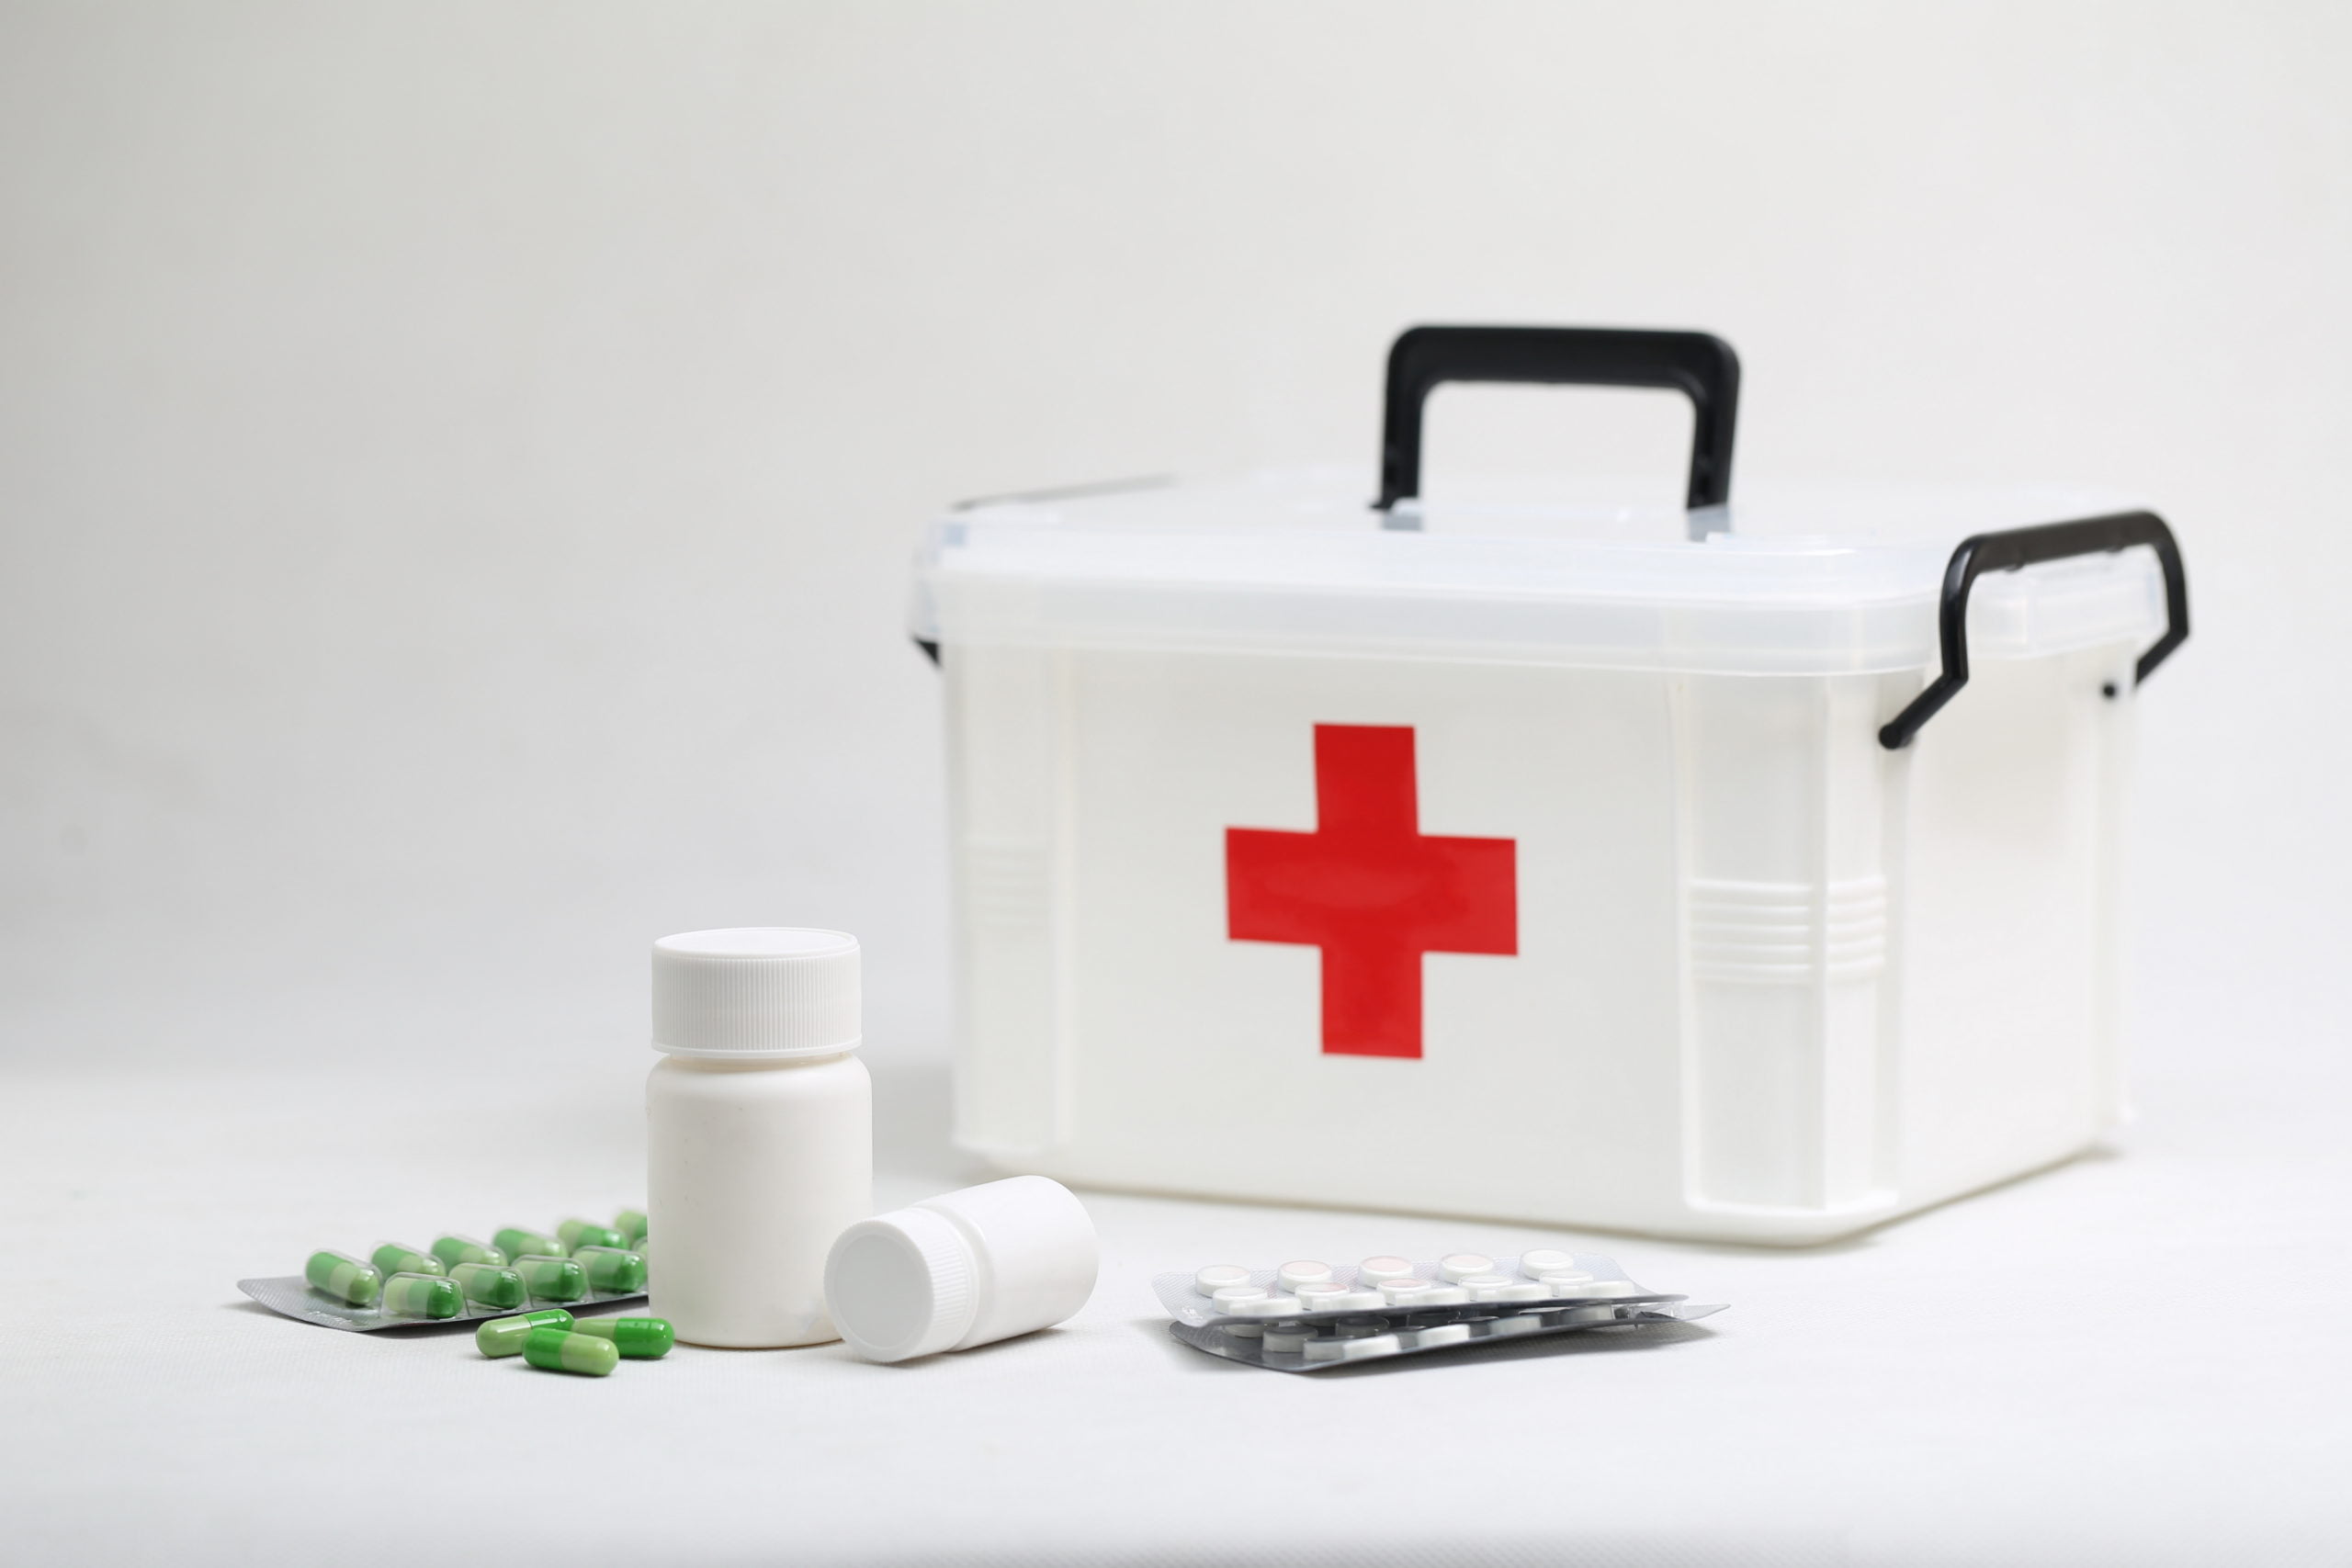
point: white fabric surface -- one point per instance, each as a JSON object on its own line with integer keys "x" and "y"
{"x": 2138, "y": 1357}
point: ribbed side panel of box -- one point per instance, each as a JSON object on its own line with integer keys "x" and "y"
{"x": 1784, "y": 877}
{"x": 1008, "y": 797}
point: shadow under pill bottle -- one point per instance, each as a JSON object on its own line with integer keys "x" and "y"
{"x": 759, "y": 1131}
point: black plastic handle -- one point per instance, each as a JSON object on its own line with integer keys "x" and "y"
{"x": 1699, "y": 365}
{"x": 2016, "y": 547}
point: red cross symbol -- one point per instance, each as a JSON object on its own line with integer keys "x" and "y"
{"x": 1369, "y": 890}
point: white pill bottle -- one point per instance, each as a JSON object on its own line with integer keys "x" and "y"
{"x": 759, "y": 1131}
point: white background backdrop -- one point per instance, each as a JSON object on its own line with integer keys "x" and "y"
{"x": 459, "y": 463}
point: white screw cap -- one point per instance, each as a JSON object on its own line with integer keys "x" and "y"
{"x": 766, "y": 993}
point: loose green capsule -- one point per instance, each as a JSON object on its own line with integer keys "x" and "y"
{"x": 638, "y": 1338}
{"x": 577, "y": 1234}
{"x": 631, "y": 1224}
{"x": 514, "y": 1242}
{"x": 453, "y": 1250}
{"x": 505, "y": 1336}
{"x": 612, "y": 1267}
{"x": 344, "y": 1277}
{"x": 551, "y": 1279}
{"x": 422, "y": 1295}
{"x": 398, "y": 1257}
{"x": 490, "y": 1284}
{"x": 560, "y": 1351}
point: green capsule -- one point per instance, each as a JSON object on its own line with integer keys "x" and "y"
{"x": 551, "y": 1278}
{"x": 422, "y": 1295}
{"x": 344, "y": 1277}
{"x": 398, "y": 1257}
{"x": 638, "y": 1338}
{"x": 505, "y": 1336}
{"x": 611, "y": 1269}
{"x": 577, "y": 1234}
{"x": 514, "y": 1242}
{"x": 490, "y": 1284}
{"x": 631, "y": 1224}
{"x": 453, "y": 1250}
{"x": 560, "y": 1351}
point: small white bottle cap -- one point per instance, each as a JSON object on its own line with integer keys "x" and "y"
{"x": 961, "y": 1269}
{"x": 756, "y": 993}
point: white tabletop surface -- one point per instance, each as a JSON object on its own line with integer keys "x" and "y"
{"x": 2139, "y": 1357}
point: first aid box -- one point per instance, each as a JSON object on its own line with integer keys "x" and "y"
{"x": 1746, "y": 871}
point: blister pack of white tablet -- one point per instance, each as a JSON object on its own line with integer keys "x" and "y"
{"x": 1298, "y": 1346}
{"x": 1308, "y": 1289}
{"x": 1308, "y": 1315}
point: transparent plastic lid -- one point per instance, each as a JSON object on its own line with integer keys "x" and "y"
{"x": 1788, "y": 578}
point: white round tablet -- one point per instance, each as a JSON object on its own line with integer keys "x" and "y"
{"x": 1325, "y": 1349}
{"x": 1374, "y": 1272}
{"x": 1546, "y": 1260}
{"x": 1268, "y": 1306}
{"x": 1441, "y": 1333}
{"x": 1503, "y": 1328}
{"x": 1522, "y": 1291}
{"x": 1440, "y": 1295}
{"x": 1572, "y": 1283}
{"x": 1289, "y": 1337}
{"x": 1457, "y": 1265}
{"x": 1610, "y": 1288}
{"x": 1400, "y": 1292}
{"x": 1228, "y": 1297}
{"x": 1242, "y": 1330}
{"x": 1327, "y": 1297}
{"x": 1378, "y": 1344}
{"x": 1351, "y": 1300}
{"x": 1218, "y": 1276}
{"x": 1304, "y": 1272}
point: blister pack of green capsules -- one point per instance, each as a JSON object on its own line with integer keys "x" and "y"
{"x": 459, "y": 1277}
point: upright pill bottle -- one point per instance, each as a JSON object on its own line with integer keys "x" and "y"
{"x": 759, "y": 1131}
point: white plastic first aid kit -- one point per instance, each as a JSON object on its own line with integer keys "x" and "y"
{"x": 1745, "y": 870}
